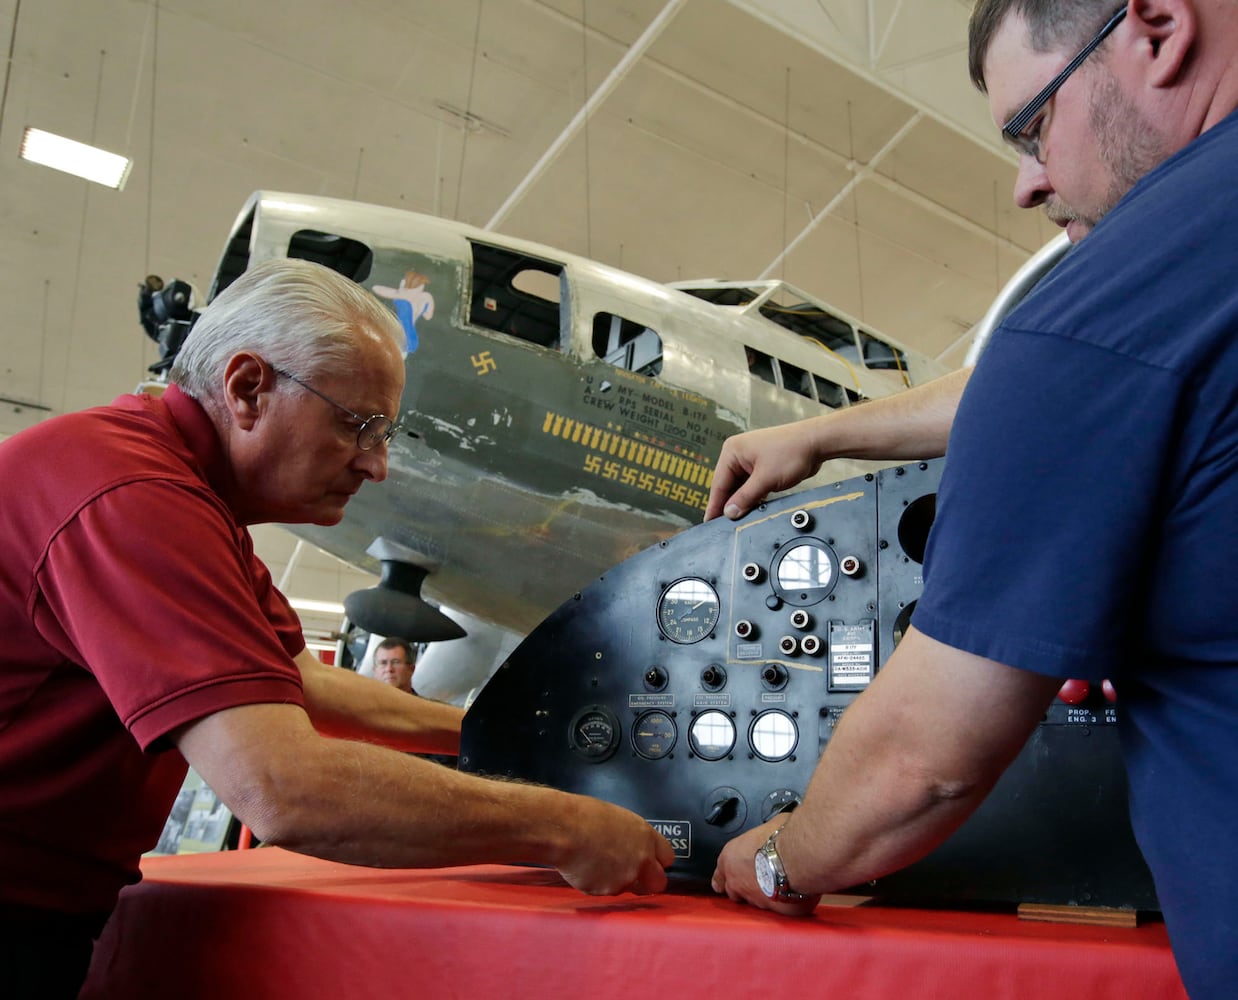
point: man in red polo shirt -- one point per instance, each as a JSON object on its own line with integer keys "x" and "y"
{"x": 125, "y": 533}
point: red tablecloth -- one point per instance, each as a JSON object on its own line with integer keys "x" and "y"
{"x": 260, "y": 924}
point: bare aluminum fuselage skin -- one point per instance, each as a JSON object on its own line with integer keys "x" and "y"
{"x": 527, "y": 469}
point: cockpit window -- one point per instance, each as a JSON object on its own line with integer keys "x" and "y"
{"x": 792, "y": 311}
{"x": 812, "y": 322}
{"x": 879, "y": 354}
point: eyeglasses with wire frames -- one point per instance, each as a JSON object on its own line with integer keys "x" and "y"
{"x": 1016, "y": 131}
{"x": 373, "y": 430}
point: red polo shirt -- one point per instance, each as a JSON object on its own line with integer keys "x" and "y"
{"x": 131, "y": 603}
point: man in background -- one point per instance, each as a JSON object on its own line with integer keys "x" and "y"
{"x": 394, "y": 663}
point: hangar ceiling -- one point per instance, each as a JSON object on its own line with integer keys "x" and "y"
{"x": 834, "y": 143}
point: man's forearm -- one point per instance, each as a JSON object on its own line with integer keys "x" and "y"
{"x": 351, "y": 801}
{"x": 910, "y": 760}
{"x": 340, "y": 703}
{"x": 907, "y": 765}
{"x": 909, "y": 425}
{"x": 457, "y": 818}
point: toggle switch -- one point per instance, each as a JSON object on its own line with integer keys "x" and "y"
{"x": 723, "y": 811}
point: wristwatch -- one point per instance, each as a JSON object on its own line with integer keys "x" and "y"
{"x": 771, "y": 875}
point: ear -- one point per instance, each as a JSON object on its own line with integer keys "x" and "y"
{"x": 1165, "y": 32}
{"x": 247, "y": 379}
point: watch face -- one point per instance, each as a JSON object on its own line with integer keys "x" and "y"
{"x": 766, "y": 878}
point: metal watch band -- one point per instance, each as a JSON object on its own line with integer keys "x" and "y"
{"x": 783, "y": 893}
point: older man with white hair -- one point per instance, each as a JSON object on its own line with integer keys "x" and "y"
{"x": 126, "y": 537}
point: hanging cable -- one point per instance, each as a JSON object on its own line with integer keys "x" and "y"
{"x": 150, "y": 141}
{"x": 468, "y": 108}
{"x": 8, "y": 66}
{"x": 786, "y": 164}
{"x": 81, "y": 240}
{"x": 584, "y": 83}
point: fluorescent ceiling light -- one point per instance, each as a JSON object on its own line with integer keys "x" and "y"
{"x": 90, "y": 162}
{"x": 326, "y": 607}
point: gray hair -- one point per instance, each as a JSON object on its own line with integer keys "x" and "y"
{"x": 297, "y": 315}
{"x": 1051, "y": 25}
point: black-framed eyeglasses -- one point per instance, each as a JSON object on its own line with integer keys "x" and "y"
{"x": 1016, "y": 131}
{"x": 373, "y": 430}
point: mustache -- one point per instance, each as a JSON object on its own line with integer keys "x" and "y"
{"x": 1059, "y": 213}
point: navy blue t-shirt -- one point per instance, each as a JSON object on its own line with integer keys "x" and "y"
{"x": 1087, "y": 522}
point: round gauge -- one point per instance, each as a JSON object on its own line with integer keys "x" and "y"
{"x": 654, "y": 735}
{"x": 688, "y": 610}
{"x": 805, "y": 572}
{"x": 712, "y": 735}
{"x": 594, "y": 733}
{"x": 773, "y": 735}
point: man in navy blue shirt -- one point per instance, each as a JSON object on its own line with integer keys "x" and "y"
{"x": 1091, "y": 484}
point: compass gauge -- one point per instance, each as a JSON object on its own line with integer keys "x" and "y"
{"x": 688, "y": 610}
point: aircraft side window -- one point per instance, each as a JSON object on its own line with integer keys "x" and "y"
{"x": 796, "y": 379}
{"x": 516, "y": 294}
{"x": 830, "y": 393}
{"x": 626, "y": 344}
{"x": 760, "y": 365}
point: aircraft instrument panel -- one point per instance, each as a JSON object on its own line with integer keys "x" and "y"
{"x": 698, "y": 682}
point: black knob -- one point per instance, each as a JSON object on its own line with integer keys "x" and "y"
{"x": 774, "y": 676}
{"x": 723, "y": 811}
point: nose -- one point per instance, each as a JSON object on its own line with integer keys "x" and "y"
{"x": 373, "y": 463}
{"x": 1031, "y": 185}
